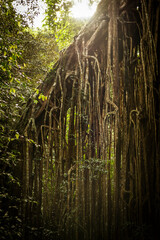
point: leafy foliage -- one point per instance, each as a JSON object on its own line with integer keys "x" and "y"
{"x": 28, "y": 8}
{"x": 25, "y": 58}
{"x": 14, "y": 90}
{"x": 56, "y": 9}
{"x": 62, "y": 25}
{"x": 40, "y": 52}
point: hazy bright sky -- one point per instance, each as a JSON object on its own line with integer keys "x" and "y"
{"x": 82, "y": 10}
{"x": 79, "y": 10}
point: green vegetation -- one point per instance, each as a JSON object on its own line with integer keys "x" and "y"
{"x": 79, "y": 122}
{"x": 26, "y": 55}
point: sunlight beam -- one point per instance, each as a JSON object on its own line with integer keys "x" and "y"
{"x": 82, "y": 10}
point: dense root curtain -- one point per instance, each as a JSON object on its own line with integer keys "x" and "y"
{"x": 89, "y": 170}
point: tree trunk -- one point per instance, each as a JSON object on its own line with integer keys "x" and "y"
{"x": 96, "y": 128}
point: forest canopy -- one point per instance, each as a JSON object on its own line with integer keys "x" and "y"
{"x": 79, "y": 121}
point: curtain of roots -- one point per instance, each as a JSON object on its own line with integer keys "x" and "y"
{"x": 89, "y": 170}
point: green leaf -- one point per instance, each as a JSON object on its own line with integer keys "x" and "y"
{"x": 12, "y": 90}
{"x": 40, "y": 96}
{"x": 37, "y": 91}
{"x": 17, "y": 135}
{"x": 43, "y": 97}
{"x": 1, "y": 126}
{"x": 19, "y": 24}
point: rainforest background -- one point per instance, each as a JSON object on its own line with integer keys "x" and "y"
{"x": 79, "y": 120}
